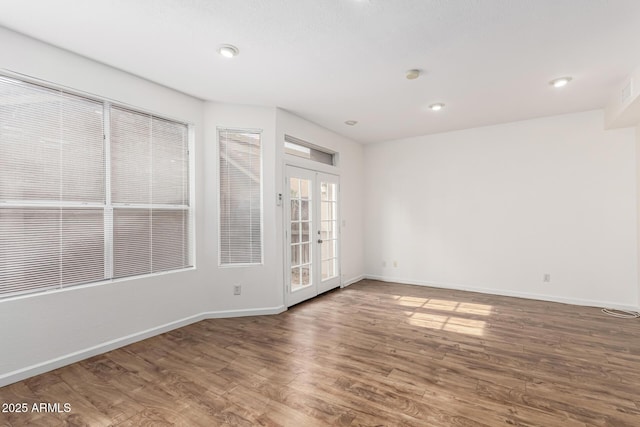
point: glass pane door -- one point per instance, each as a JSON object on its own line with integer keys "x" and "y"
{"x": 311, "y": 234}
{"x": 301, "y": 216}
{"x": 328, "y": 232}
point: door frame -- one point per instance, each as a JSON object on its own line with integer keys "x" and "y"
{"x": 317, "y": 288}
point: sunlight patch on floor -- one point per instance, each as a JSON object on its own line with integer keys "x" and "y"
{"x": 412, "y": 301}
{"x": 444, "y": 320}
{"x": 471, "y": 308}
{"x": 448, "y": 323}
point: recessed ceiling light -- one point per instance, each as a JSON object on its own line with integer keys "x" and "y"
{"x": 436, "y": 107}
{"x": 351, "y": 122}
{"x": 560, "y": 82}
{"x": 413, "y": 74}
{"x": 228, "y": 51}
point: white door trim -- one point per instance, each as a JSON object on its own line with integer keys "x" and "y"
{"x": 317, "y": 286}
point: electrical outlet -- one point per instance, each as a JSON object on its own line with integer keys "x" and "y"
{"x": 546, "y": 278}
{"x": 237, "y": 289}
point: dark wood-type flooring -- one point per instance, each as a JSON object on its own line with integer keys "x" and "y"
{"x": 368, "y": 355}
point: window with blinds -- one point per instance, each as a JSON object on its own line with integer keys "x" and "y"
{"x": 88, "y": 191}
{"x": 240, "y": 183}
{"x": 149, "y": 193}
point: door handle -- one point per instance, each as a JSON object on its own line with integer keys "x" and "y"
{"x": 319, "y": 240}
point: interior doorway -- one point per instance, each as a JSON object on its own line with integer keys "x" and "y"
{"x": 312, "y": 234}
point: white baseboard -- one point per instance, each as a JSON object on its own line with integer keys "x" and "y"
{"x": 351, "y": 281}
{"x": 49, "y": 365}
{"x": 244, "y": 313}
{"x": 506, "y": 293}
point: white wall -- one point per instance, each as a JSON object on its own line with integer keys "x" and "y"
{"x": 495, "y": 208}
{"x": 351, "y": 171}
{"x": 261, "y": 285}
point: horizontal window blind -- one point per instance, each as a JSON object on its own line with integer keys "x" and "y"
{"x": 44, "y": 248}
{"x": 52, "y": 145}
{"x": 169, "y": 239}
{"x": 150, "y": 241}
{"x": 58, "y": 226}
{"x": 240, "y": 182}
{"x": 51, "y": 171}
{"x": 150, "y": 192}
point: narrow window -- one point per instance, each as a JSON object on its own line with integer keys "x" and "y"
{"x": 299, "y": 148}
{"x": 240, "y": 182}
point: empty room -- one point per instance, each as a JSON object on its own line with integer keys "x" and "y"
{"x": 309, "y": 213}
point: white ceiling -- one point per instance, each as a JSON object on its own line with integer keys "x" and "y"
{"x": 328, "y": 61}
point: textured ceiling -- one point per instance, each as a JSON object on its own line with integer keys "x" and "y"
{"x": 328, "y": 61}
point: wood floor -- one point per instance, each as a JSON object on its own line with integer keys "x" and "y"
{"x": 369, "y": 355}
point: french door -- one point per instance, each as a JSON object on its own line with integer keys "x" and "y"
{"x": 311, "y": 234}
